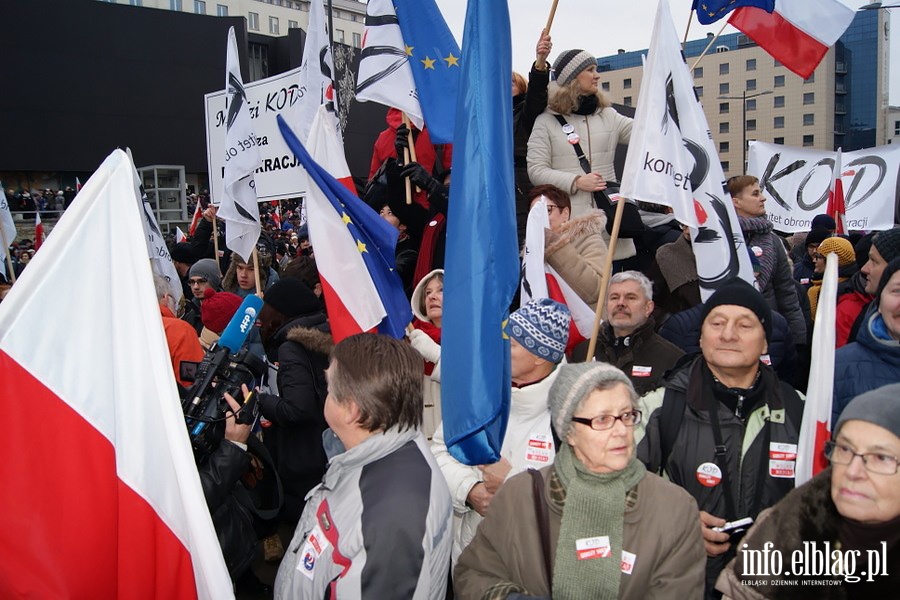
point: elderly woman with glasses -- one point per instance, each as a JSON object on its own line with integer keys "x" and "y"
{"x": 847, "y": 517}
{"x": 574, "y": 247}
{"x": 595, "y": 524}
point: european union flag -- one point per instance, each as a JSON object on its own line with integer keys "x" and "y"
{"x": 710, "y": 11}
{"x": 435, "y": 60}
{"x": 482, "y": 266}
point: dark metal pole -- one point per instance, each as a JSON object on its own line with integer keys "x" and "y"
{"x": 744, "y": 126}
{"x": 334, "y": 87}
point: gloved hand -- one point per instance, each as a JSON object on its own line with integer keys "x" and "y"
{"x": 420, "y": 177}
{"x": 424, "y": 345}
{"x": 401, "y": 142}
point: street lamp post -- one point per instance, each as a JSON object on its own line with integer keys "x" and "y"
{"x": 743, "y": 98}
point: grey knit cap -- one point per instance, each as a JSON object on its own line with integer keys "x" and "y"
{"x": 888, "y": 244}
{"x": 880, "y": 407}
{"x": 573, "y": 384}
{"x": 570, "y": 63}
{"x": 208, "y": 270}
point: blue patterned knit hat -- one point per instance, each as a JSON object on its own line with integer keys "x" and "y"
{"x": 541, "y": 327}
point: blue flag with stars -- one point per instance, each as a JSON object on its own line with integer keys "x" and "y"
{"x": 435, "y": 60}
{"x": 710, "y": 11}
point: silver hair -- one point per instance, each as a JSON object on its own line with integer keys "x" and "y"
{"x": 640, "y": 278}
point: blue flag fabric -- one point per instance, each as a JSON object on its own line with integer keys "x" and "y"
{"x": 435, "y": 60}
{"x": 368, "y": 228}
{"x": 481, "y": 268}
{"x": 710, "y": 11}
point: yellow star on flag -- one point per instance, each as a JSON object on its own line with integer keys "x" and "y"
{"x": 345, "y": 218}
{"x": 409, "y": 49}
{"x": 360, "y": 246}
{"x": 452, "y": 61}
{"x": 429, "y": 63}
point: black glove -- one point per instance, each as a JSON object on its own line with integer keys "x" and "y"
{"x": 401, "y": 142}
{"x": 420, "y": 177}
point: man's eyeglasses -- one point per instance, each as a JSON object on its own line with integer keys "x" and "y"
{"x": 604, "y": 422}
{"x": 874, "y": 462}
{"x": 198, "y": 281}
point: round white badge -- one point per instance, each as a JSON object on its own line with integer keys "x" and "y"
{"x": 568, "y": 128}
{"x": 709, "y": 474}
{"x": 757, "y": 251}
{"x": 573, "y": 138}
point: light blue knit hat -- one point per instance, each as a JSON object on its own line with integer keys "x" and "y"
{"x": 542, "y": 327}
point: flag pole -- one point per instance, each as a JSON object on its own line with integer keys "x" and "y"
{"x": 688, "y": 28}
{"x": 334, "y": 88}
{"x": 604, "y": 282}
{"x": 708, "y": 46}
{"x": 12, "y": 273}
{"x": 216, "y": 243}
{"x": 409, "y": 153}
{"x": 550, "y": 17}
{"x": 256, "y": 272}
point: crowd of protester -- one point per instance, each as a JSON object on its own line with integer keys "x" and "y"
{"x": 620, "y": 473}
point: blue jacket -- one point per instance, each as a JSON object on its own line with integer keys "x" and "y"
{"x": 870, "y": 362}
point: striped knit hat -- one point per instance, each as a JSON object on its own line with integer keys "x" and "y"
{"x": 570, "y": 63}
{"x": 573, "y": 383}
{"x": 542, "y": 327}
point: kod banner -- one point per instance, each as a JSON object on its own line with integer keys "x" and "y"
{"x": 278, "y": 176}
{"x": 796, "y": 182}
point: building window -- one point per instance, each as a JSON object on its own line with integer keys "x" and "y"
{"x": 778, "y": 63}
{"x": 626, "y": 101}
{"x": 810, "y": 79}
{"x": 751, "y": 104}
{"x": 175, "y": 5}
{"x": 627, "y": 84}
{"x": 339, "y": 35}
{"x": 723, "y": 69}
{"x": 723, "y": 147}
{"x": 896, "y": 127}
{"x": 273, "y": 25}
{"x": 778, "y": 123}
{"x": 605, "y": 86}
{"x": 779, "y": 140}
{"x": 725, "y": 166}
{"x": 698, "y": 72}
{"x": 723, "y": 127}
{"x": 357, "y": 40}
{"x": 293, "y": 25}
{"x": 253, "y": 21}
{"x": 723, "y": 89}
{"x": 200, "y": 7}
{"x": 221, "y": 10}
{"x": 809, "y": 98}
{"x": 135, "y": 2}
{"x": 698, "y": 89}
{"x": 723, "y": 108}
{"x": 258, "y": 58}
{"x": 751, "y": 85}
{"x": 779, "y": 81}
{"x": 779, "y": 102}
{"x": 809, "y": 140}
{"x": 809, "y": 119}
{"x": 751, "y": 64}
{"x": 751, "y": 124}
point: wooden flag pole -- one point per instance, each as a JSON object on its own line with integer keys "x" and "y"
{"x": 216, "y": 242}
{"x": 550, "y": 17}
{"x": 604, "y": 282}
{"x": 708, "y": 46}
{"x": 409, "y": 153}
{"x": 259, "y": 291}
{"x": 11, "y": 272}
{"x": 688, "y": 28}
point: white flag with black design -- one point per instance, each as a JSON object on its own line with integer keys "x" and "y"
{"x": 7, "y": 225}
{"x": 672, "y": 160}
{"x": 384, "y": 72}
{"x": 238, "y": 207}
{"x": 316, "y": 72}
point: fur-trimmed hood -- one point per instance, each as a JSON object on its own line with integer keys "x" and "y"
{"x": 594, "y": 222}
{"x": 314, "y": 339}
{"x": 419, "y": 292}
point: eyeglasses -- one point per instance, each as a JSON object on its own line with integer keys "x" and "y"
{"x": 197, "y": 281}
{"x": 875, "y": 462}
{"x": 604, "y": 422}
{"x": 818, "y": 256}
{"x": 550, "y": 208}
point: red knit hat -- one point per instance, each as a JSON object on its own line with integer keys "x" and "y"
{"x": 217, "y": 309}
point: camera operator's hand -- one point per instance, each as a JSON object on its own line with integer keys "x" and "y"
{"x": 401, "y": 142}
{"x": 234, "y": 431}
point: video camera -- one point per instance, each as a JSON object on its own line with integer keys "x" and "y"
{"x": 224, "y": 368}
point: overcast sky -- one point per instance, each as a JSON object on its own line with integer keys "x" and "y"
{"x": 603, "y": 26}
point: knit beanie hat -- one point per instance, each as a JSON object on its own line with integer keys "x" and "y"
{"x": 840, "y": 246}
{"x": 542, "y": 327}
{"x": 888, "y": 244}
{"x": 880, "y": 407}
{"x": 208, "y": 270}
{"x": 817, "y": 236}
{"x": 217, "y": 309}
{"x": 292, "y": 298}
{"x": 573, "y": 384}
{"x": 823, "y": 222}
{"x": 570, "y": 63}
{"x": 184, "y": 253}
{"x": 738, "y": 292}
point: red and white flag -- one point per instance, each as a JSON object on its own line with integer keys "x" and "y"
{"x": 77, "y": 185}
{"x": 276, "y": 214}
{"x": 179, "y": 235}
{"x": 101, "y": 497}
{"x": 797, "y": 33}
{"x": 38, "y": 231}
{"x": 198, "y": 214}
{"x": 837, "y": 207}
{"x": 815, "y": 429}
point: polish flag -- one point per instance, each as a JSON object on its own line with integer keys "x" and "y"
{"x": 837, "y": 208}
{"x": 815, "y": 429}
{"x": 101, "y": 497}
{"x": 179, "y": 235}
{"x": 38, "y": 231}
{"x": 797, "y": 33}
{"x": 198, "y": 214}
{"x": 77, "y": 185}
{"x": 355, "y": 247}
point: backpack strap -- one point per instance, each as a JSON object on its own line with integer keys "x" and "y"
{"x": 671, "y": 416}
